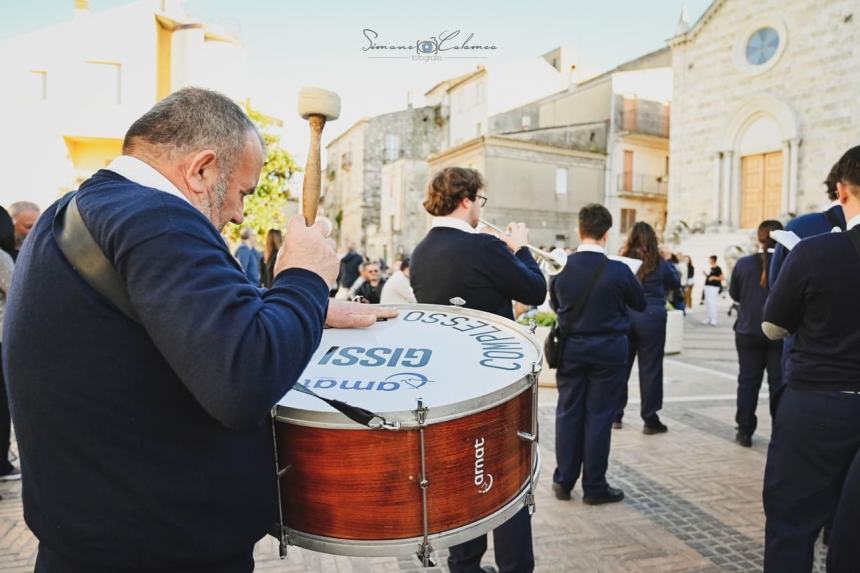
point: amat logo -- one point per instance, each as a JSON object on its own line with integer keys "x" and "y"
{"x": 400, "y": 381}
{"x": 483, "y": 480}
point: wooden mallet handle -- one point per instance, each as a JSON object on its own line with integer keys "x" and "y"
{"x": 313, "y": 171}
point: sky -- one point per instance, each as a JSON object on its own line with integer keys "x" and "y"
{"x": 291, "y": 43}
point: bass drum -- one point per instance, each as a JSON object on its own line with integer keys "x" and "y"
{"x": 457, "y": 457}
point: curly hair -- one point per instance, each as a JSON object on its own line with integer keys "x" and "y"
{"x": 642, "y": 244}
{"x": 450, "y": 186}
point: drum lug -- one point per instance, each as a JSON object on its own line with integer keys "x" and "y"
{"x": 530, "y": 502}
{"x": 424, "y": 554}
{"x": 527, "y": 436}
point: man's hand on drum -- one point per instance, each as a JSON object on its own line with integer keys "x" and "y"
{"x": 517, "y": 235}
{"x": 309, "y": 248}
{"x": 344, "y": 314}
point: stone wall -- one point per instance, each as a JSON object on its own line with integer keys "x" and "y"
{"x": 814, "y": 80}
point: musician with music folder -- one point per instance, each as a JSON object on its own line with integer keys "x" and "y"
{"x": 487, "y": 270}
{"x": 816, "y": 429}
{"x": 591, "y": 296}
{"x": 141, "y": 385}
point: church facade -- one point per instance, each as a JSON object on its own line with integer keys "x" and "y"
{"x": 764, "y": 103}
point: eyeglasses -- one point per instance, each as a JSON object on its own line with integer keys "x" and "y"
{"x": 483, "y": 199}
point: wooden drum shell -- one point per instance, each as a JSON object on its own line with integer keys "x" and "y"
{"x": 363, "y": 485}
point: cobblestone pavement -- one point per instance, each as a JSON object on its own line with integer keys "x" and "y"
{"x": 693, "y": 497}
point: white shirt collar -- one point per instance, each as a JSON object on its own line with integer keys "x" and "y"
{"x": 590, "y": 248}
{"x": 453, "y": 223}
{"x": 853, "y": 222}
{"x": 144, "y": 174}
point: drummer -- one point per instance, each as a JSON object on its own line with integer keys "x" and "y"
{"x": 143, "y": 443}
{"x": 488, "y": 271}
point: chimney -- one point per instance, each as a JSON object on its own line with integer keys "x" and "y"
{"x": 571, "y": 77}
{"x": 409, "y": 100}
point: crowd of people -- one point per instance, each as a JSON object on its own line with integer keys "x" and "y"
{"x": 158, "y": 417}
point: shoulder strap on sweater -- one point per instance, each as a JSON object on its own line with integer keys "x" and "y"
{"x": 86, "y": 257}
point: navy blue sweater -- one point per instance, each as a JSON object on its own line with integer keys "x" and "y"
{"x": 745, "y": 288}
{"x": 659, "y": 282}
{"x": 477, "y": 267}
{"x": 600, "y": 334}
{"x": 804, "y": 226}
{"x": 815, "y": 297}
{"x": 150, "y": 444}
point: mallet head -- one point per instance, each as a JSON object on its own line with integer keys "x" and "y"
{"x": 317, "y": 101}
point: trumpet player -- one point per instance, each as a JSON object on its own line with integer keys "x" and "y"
{"x": 487, "y": 270}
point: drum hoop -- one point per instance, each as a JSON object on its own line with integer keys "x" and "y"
{"x": 408, "y": 546}
{"x": 437, "y": 414}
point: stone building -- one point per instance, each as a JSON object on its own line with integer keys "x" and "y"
{"x": 539, "y": 184}
{"x": 764, "y": 103}
{"x": 403, "y": 221}
{"x": 352, "y": 186}
{"x": 622, "y": 115}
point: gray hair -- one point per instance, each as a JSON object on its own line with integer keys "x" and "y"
{"x": 194, "y": 119}
{"x": 245, "y": 233}
{"x": 19, "y": 207}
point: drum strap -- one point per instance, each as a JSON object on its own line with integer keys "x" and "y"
{"x": 86, "y": 257}
{"x": 354, "y": 413}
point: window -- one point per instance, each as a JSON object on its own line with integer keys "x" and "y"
{"x": 628, "y": 218}
{"x": 762, "y": 46}
{"x": 38, "y": 88}
{"x": 526, "y": 122}
{"x": 561, "y": 181}
{"x": 104, "y": 80}
{"x": 392, "y": 147}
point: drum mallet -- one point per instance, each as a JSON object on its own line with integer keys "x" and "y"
{"x": 317, "y": 106}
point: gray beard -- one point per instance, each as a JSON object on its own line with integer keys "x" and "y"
{"x": 213, "y": 203}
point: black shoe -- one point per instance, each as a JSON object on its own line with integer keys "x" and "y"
{"x": 560, "y": 491}
{"x": 617, "y": 425}
{"x": 744, "y": 440}
{"x": 489, "y": 569}
{"x": 612, "y": 495}
{"x": 656, "y": 427}
{"x": 15, "y": 474}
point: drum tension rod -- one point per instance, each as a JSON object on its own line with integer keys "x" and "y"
{"x": 424, "y": 548}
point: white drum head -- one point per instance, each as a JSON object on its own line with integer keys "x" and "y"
{"x": 445, "y": 355}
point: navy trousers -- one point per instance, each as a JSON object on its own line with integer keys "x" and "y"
{"x": 512, "y": 543}
{"x": 588, "y": 396}
{"x": 647, "y": 338}
{"x": 843, "y": 554}
{"x": 5, "y": 428}
{"x": 755, "y": 355}
{"x": 815, "y": 440}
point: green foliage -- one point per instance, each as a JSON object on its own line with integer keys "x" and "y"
{"x": 264, "y": 209}
{"x": 542, "y": 318}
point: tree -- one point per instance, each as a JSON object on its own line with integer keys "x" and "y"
{"x": 264, "y": 209}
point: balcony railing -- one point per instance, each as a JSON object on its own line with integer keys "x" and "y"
{"x": 642, "y": 116}
{"x": 642, "y": 184}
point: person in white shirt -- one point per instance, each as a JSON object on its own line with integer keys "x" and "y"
{"x": 397, "y": 289}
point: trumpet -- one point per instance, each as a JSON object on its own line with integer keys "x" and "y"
{"x": 552, "y": 262}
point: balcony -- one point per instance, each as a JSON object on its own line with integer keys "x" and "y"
{"x": 641, "y": 185}
{"x": 644, "y": 117}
